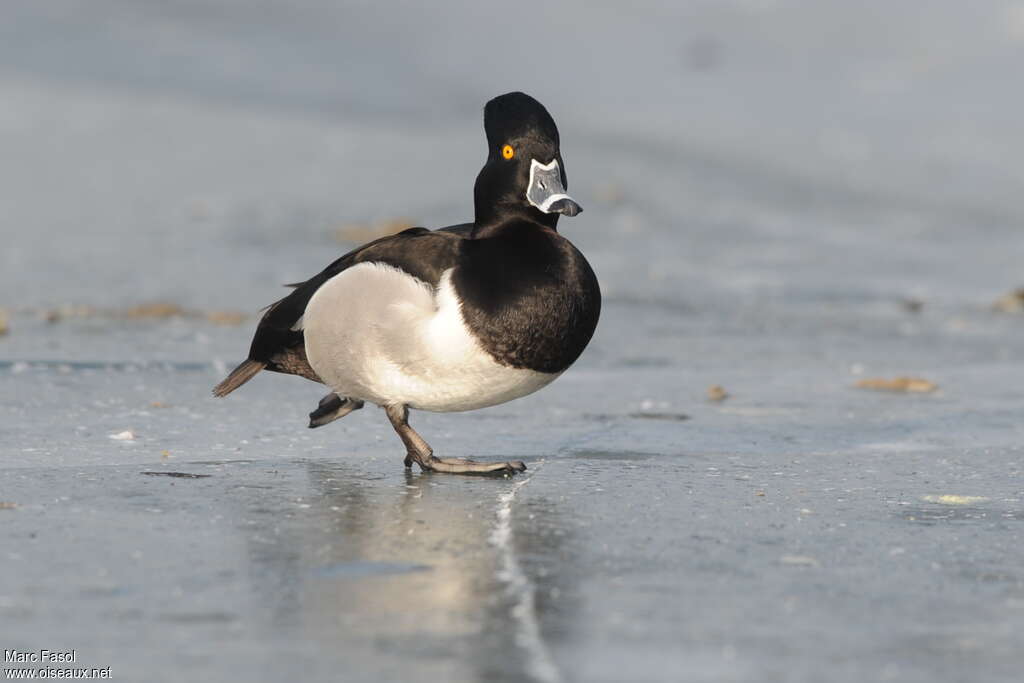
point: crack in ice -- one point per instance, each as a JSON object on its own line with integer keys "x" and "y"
{"x": 539, "y": 664}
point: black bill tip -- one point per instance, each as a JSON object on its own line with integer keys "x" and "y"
{"x": 566, "y": 207}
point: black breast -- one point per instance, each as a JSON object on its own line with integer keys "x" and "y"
{"x": 529, "y": 297}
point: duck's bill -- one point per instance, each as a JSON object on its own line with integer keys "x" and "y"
{"x": 546, "y": 192}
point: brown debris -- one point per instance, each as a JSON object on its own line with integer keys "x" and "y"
{"x": 226, "y": 317}
{"x": 8, "y": 506}
{"x": 907, "y": 385}
{"x": 4, "y": 329}
{"x": 717, "y": 393}
{"x": 177, "y": 475}
{"x": 799, "y": 561}
{"x": 55, "y": 315}
{"x": 364, "y": 232}
{"x": 157, "y": 309}
{"x": 154, "y": 310}
{"x": 1010, "y": 303}
{"x": 911, "y": 305}
{"x": 669, "y": 417}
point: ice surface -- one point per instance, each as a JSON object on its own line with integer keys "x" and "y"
{"x": 781, "y": 198}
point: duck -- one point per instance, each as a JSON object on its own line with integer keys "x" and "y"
{"x": 448, "y": 320}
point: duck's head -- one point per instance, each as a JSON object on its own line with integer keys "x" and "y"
{"x": 524, "y": 176}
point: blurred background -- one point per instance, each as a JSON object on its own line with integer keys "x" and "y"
{"x": 165, "y": 149}
{"x": 782, "y": 197}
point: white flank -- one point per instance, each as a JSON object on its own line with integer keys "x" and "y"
{"x": 376, "y": 333}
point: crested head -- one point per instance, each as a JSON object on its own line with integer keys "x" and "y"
{"x": 524, "y": 175}
{"x": 517, "y": 116}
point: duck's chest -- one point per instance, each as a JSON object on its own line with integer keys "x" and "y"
{"x": 532, "y": 306}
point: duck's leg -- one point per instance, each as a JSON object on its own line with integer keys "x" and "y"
{"x": 331, "y": 408}
{"x": 420, "y": 452}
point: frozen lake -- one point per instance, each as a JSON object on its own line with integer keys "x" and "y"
{"x": 782, "y": 198}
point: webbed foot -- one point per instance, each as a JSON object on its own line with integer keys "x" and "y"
{"x": 332, "y": 407}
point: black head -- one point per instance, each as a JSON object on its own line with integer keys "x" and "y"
{"x": 524, "y": 176}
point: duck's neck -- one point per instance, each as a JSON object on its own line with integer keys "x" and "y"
{"x": 492, "y": 212}
{"x": 491, "y": 224}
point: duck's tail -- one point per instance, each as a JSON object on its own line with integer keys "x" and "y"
{"x": 239, "y": 376}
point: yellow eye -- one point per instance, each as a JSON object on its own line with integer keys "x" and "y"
{"x": 508, "y": 152}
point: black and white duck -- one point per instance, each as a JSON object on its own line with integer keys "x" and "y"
{"x": 446, "y": 320}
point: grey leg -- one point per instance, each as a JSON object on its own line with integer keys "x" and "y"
{"x": 331, "y": 408}
{"x": 420, "y": 452}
